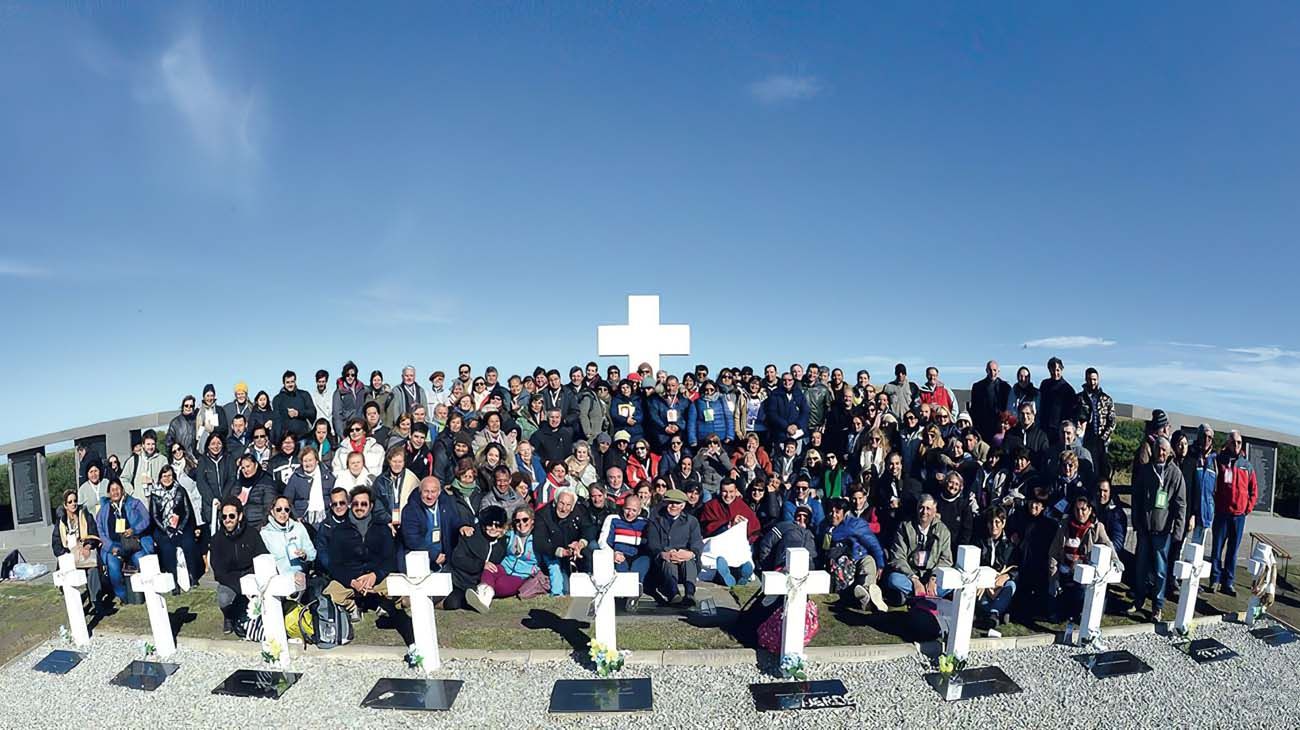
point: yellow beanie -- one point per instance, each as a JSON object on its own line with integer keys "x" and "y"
{"x": 241, "y": 385}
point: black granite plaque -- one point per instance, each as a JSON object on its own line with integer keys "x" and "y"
{"x": 1112, "y": 664}
{"x": 257, "y": 683}
{"x": 413, "y": 694}
{"x": 602, "y": 695}
{"x": 971, "y": 683}
{"x": 1204, "y": 651}
{"x": 59, "y": 661}
{"x": 818, "y": 695}
{"x": 147, "y": 676}
{"x": 1274, "y": 635}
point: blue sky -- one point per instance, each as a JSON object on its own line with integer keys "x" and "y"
{"x": 207, "y": 193}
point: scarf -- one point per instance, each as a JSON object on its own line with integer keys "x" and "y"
{"x": 1074, "y": 533}
{"x": 70, "y": 535}
{"x": 362, "y": 523}
{"x": 463, "y": 489}
{"x": 315, "y": 499}
{"x": 358, "y": 446}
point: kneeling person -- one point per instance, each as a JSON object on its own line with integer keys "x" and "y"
{"x": 851, "y": 537}
{"x": 233, "y": 547}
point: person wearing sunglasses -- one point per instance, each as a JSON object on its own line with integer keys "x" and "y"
{"x": 182, "y": 430}
{"x": 233, "y": 548}
{"x": 339, "y": 503}
{"x": 476, "y": 573}
{"x": 363, "y": 551}
{"x": 286, "y": 539}
{"x": 75, "y": 532}
{"x": 356, "y": 438}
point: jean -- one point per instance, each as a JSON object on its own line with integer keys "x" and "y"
{"x": 166, "y": 546}
{"x": 728, "y": 579}
{"x": 113, "y": 565}
{"x": 639, "y": 565}
{"x": 1228, "y": 530}
{"x": 1152, "y": 569}
{"x": 988, "y": 603}
{"x": 900, "y": 583}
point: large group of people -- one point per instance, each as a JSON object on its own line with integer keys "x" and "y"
{"x": 511, "y": 485}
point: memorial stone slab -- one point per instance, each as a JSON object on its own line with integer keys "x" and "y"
{"x": 59, "y": 661}
{"x": 1109, "y": 664}
{"x": 413, "y": 694}
{"x": 256, "y": 683}
{"x": 969, "y": 684}
{"x": 602, "y": 695}
{"x": 1205, "y": 651}
{"x": 817, "y": 695}
{"x": 1274, "y": 635}
{"x": 142, "y": 675}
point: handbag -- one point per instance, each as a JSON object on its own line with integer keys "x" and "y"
{"x": 131, "y": 544}
{"x": 537, "y": 584}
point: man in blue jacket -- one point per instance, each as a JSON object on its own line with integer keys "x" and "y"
{"x": 668, "y": 413}
{"x": 801, "y": 495}
{"x": 786, "y": 411}
{"x": 430, "y": 523}
{"x": 851, "y": 536}
{"x": 362, "y": 554}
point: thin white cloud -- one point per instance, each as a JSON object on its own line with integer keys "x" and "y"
{"x": 1192, "y": 345}
{"x": 219, "y": 117}
{"x": 401, "y": 306}
{"x": 1263, "y": 354}
{"x": 780, "y": 88}
{"x": 20, "y": 270}
{"x": 1069, "y": 342}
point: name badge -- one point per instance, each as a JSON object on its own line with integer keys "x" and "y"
{"x": 708, "y": 414}
{"x": 625, "y": 410}
{"x": 397, "y": 515}
{"x": 1061, "y": 506}
{"x": 1072, "y": 542}
{"x": 672, "y": 416}
{"x": 436, "y": 537}
{"x": 1162, "y": 499}
{"x": 1227, "y": 475}
{"x": 920, "y": 557}
{"x": 119, "y": 525}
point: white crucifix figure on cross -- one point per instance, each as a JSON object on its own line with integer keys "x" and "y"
{"x": 71, "y": 578}
{"x": 266, "y": 586}
{"x": 1263, "y": 587}
{"x": 643, "y": 339}
{"x": 422, "y": 587}
{"x": 1095, "y": 575}
{"x": 795, "y": 585}
{"x": 602, "y": 586}
{"x": 1189, "y": 571}
{"x": 965, "y": 581}
{"x": 153, "y": 583}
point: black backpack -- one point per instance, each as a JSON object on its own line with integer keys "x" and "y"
{"x": 12, "y": 559}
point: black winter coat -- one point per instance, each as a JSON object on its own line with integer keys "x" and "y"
{"x": 352, "y": 556}
{"x": 231, "y": 555}
{"x": 471, "y": 554}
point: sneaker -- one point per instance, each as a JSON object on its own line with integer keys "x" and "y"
{"x": 1133, "y": 611}
{"x": 228, "y": 626}
{"x": 860, "y": 593}
{"x": 632, "y": 605}
{"x": 354, "y": 613}
{"x": 475, "y": 599}
{"x": 877, "y": 598}
{"x": 381, "y": 612}
{"x": 1157, "y": 614}
{"x": 995, "y": 617}
{"x": 1209, "y": 588}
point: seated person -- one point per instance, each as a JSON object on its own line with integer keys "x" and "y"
{"x": 851, "y": 537}
{"x": 123, "y": 523}
{"x": 286, "y": 539}
{"x": 802, "y": 494}
{"x": 766, "y": 504}
{"x": 718, "y": 516}
{"x": 921, "y": 546}
{"x": 430, "y": 522}
{"x": 521, "y": 556}
{"x": 362, "y": 554}
{"x": 998, "y": 553}
{"x": 594, "y": 513}
{"x": 1033, "y": 533}
{"x": 794, "y": 533}
{"x": 233, "y": 547}
{"x": 626, "y": 536}
{"x": 1072, "y": 544}
{"x": 255, "y": 489}
{"x": 338, "y": 503}
{"x": 673, "y": 539}
{"x": 476, "y": 573}
{"x": 558, "y": 540}
{"x": 75, "y": 532}
{"x": 172, "y": 517}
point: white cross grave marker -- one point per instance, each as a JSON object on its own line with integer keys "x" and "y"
{"x": 153, "y": 583}
{"x": 1095, "y": 575}
{"x": 1262, "y": 567}
{"x": 643, "y": 338}
{"x": 1189, "y": 571}
{"x": 183, "y": 571}
{"x": 268, "y": 585}
{"x": 964, "y": 581}
{"x": 71, "y": 578}
{"x": 796, "y": 584}
{"x": 602, "y": 586}
{"x": 422, "y": 587}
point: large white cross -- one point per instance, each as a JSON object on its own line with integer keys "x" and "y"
{"x": 1189, "y": 571}
{"x": 602, "y": 586}
{"x": 643, "y": 339}
{"x": 795, "y": 585}
{"x": 422, "y": 587}
{"x": 267, "y": 585}
{"x": 965, "y": 581}
{"x": 71, "y": 578}
{"x": 1261, "y": 562}
{"x": 153, "y": 583}
{"x": 1095, "y": 575}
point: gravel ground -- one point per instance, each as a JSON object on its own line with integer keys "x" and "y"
{"x": 1258, "y": 689}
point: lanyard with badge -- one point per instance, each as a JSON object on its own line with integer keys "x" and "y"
{"x": 435, "y": 536}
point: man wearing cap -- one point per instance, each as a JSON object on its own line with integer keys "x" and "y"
{"x": 903, "y": 394}
{"x": 673, "y": 538}
{"x": 1159, "y": 518}
{"x": 1236, "y": 491}
{"x": 294, "y": 411}
{"x": 593, "y": 409}
{"x": 438, "y": 392}
{"x": 792, "y": 532}
{"x": 241, "y": 405}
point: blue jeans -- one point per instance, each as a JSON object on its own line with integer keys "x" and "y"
{"x": 999, "y": 603}
{"x": 1228, "y": 530}
{"x": 1152, "y": 569}
{"x": 113, "y": 565}
{"x": 639, "y": 565}
{"x": 728, "y": 579}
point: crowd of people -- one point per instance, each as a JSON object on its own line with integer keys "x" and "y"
{"x": 510, "y": 486}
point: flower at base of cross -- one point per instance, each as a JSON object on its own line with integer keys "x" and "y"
{"x": 147, "y": 648}
{"x": 606, "y": 659}
{"x": 794, "y": 667}
{"x": 255, "y": 607}
{"x": 950, "y": 664}
{"x": 64, "y": 636}
{"x": 272, "y": 652}
{"x": 414, "y": 659}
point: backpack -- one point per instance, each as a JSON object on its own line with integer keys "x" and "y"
{"x": 327, "y": 625}
{"x": 7, "y": 568}
{"x": 842, "y": 567}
